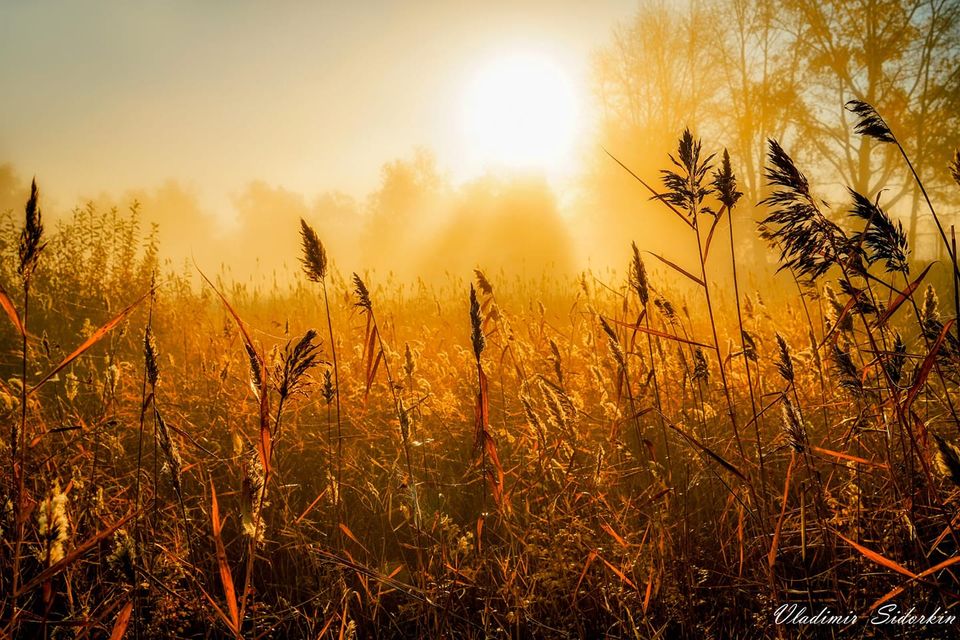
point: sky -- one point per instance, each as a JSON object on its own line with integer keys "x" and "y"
{"x": 101, "y": 97}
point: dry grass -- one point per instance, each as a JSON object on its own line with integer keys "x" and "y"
{"x": 659, "y": 454}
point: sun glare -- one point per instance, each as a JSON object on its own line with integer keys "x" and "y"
{"x": 521, "y": 112}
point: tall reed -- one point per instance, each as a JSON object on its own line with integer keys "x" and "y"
{"x": 314, "y": 262}
{"x": 29, "y": 249}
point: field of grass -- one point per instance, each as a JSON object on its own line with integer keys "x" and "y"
{"x": 666, "y": 453}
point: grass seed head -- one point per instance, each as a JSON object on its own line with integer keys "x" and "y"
{"x": 686, "y": 188}
{"x": 409, "y": 361}
{"x": 172, "y": 463}
{"x": 363, "y": 295}
{"x": 701, "y": 370}
{"x": 253, "y": 496}
{"x": 883, "y": 238}
{"x": 847, "y": 370}
{"x": 256, "y": 369}
{"x": 614, "y": 343}
{"x": 785, "y": 361}
{"x": 314, "y": 257}
{"x": 297, "y": 359}
{"x": 749, "y": 346}
{"x": 793, "y": 426}
{"x": 476, "y": 325}
{"x": 809, "y": 243}
{"x": 482, "y": 283}
{"x": 725, "y": 183}
{"x": 329, "y": 390}
{"x": 31, "y": 237}
{"x": 150, "y": 357}
{"x": 869, "y": 122}
{"x": 638, "y": 277}
{"x": 931, "y": 305}
{"x": 894, "y": 362}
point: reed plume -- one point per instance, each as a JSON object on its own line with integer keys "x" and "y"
{"x": 872, "y": 125}
{"x": 29, "y": 248}
{"x": 363, "y": 295}
{"x": 847, "y": 370}
{"x": 314, "y": 261}
{"x": 296, "y": 361}
{"x": 172, "y": 464}
{"x": 931, "y": 324}
{"x": 151, "y": 366}
{"x": 894, "y": 361}
{"x": 884, "y": 239}
{"x": 809, "y": 243}
{"x": 748, "y": 346}
{"x": 687, "y": 188}
{"x": 869, "y": 122}
{"x": 785, "y": 360}
{"x": 314, "y": 258}
{"x": 793, "y": 426}
{"x": 700, "y": 369}
{"x": 31, "y": 237}
{"x": 476, "y": 329}
{"x": 725, "y": 183}
{"x": 482, "y": 283}
{"x": 638, "y": 277}
{"x": 862, "y": 300}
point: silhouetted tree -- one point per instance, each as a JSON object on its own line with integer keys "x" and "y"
{"x": 740, "y": 71}
{"x": 902, "y": 57}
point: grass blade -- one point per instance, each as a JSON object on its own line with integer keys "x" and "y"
{"x": 923, "y": 574}
{"x": 96, "y": 337}
{"x": 659, "y": 334}
{"x": 10, "y": 310}
{"x": 775, "y": 545}
{"x": 226, "y": 578}
{"x": 875, "y": 557}
{"x": 723, "y": 463}
{"x": 927, "y": 365}
{"x": 677, "y": 268}
{"x": 902, "y": 297}
{"x": 265, "y": 445}
{"x": 847, "y": 456}
{"x": 120, "y": 627}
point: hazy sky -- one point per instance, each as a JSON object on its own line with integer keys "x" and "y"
{"x": 310, "y": 96}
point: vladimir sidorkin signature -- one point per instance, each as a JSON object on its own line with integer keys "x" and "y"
{"x": 890, "y": 614}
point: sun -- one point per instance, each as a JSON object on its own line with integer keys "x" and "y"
{"x": 521, "y": 112}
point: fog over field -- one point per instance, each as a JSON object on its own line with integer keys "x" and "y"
{"x": 622, "y": 319}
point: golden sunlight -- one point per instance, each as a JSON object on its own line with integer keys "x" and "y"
{"x": 517, "y": 319}
{"x": 521, "y": 112}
